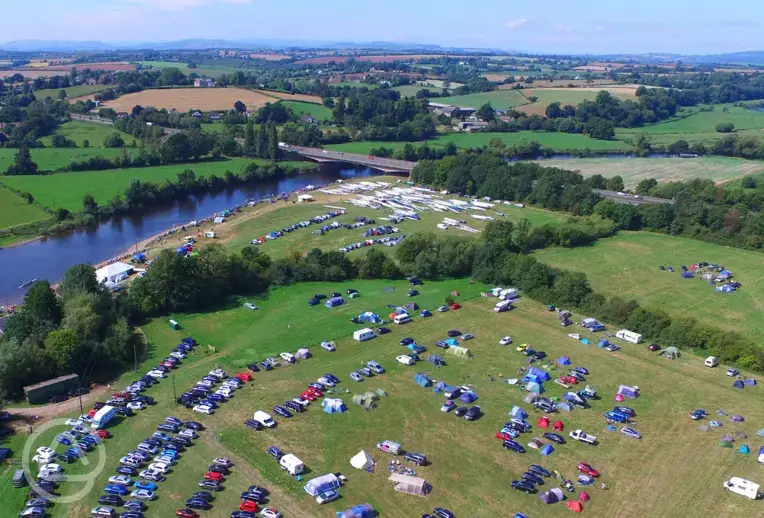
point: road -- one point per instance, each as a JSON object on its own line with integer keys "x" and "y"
{"x": 631, "y": 199}
{"x": 387, "y": 165}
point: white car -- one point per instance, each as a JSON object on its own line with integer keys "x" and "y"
{"x": 136, "y": 405}
{"x": 156, "y": 374}
{"x": 505, "y": 341}
{"x": 130, "y": 462}
{"x": 143, "y": 494}
{"x": 270, "y": 512}
{"x": 203, "y": 409}
{"x": 328, "y": 346}
{"x": 251, "y": 306}
{"x": 301, "y": 401}
{"x": 122, "y": 480}
{"x": 150, "y": 474}
{"x": 188, "y": 433}
{"x": 165, "y": 459}
{"x": 52, "y": 468}
{"x": 323, "y": 380}
{"x": 405, "y": 359}
{"x": 287, "y": 357}
{"x": 218, "y": 373}
{"x": 273, "y": 361}
{"x": 74, "y": 422}
{"x": 178, "y": 355}
{"x": 225, "y": 392}
{"x": 43, "y": 459}
{"x": 161, "y": 467}
{"x": 45, "y": 451}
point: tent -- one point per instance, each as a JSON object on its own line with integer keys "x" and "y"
{"x": 531, "y": 397}
{"x": 603, "y": 343}
{"x": 558, "y": 426}
{"x": 728, "y": 438}
{"x": 563, "y": 361}
{"x": 546, "y": 450}
{"x": 741, "y": 434}
{"x": 585, "y": 341}
{"x": 535, "y": 443}
{"x": 423, "y": 380}
{"x": 358, "y": 511}
{"x": 544, "y": 422}
{"x": 518, "y": 412}
{"x": 370, "y": 317}
{"x": 302, "y": 354}
{"x": 462, "y": 352}
{"x": 361, "y": 460}
{"x": 725, "y": 444}
{"x": 687, "y": 275}
{"x": 409, "y": 485}
{"x": 584, "y": 497}
{"x": 737, "y": 418}
{"x": 574, "y": 506}
{"x": 671, "y": 353}
{"x": 436, "y": 359}
{"x": 536, "y": 388}
{"x": 629, "y": 392}
{"x": 540, "y": 373}
{"x": 738, "y": 384}
{"x": 750, "y": 382}
{"x": 392, "y": 315}
{"x": 745, "y": 450}
{"x": 468, "y": 397}
{"x": 381, "y": 392}
{"x": 321, "y": 484}
{"x": 552, "y": 496}
{"x": 533, "y": 378}
{"x": 333, "y": 406}
{"x": 564, "y": 406}
{"x": 362, "y": 400}
{"x": 619, "y": 398}
{"x": 451, "y": 342}
{"x": 411, "y": 306}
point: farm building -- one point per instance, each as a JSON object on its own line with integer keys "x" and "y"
{"x": 204, "y": 82}
{"x": 409, "y": 485}
{"x": 43, "y": 391}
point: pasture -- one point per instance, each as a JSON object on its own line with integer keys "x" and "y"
{"x": 633, "y": 170}
{"x": 184, "y": 99}
{"x": 71, "y": 92}
{"x": 469, "y": 470}
{"x": 67, "y": 189}
{"x": 499, "y": 99}
{"x": 200, "y": 70}
{"x": 93, "y": 132}
{"x": 53, "y": 159}
{"x": 572, "y": 96}
{"x": 627, "y": 265}
{"x": 15, "y": 210}
{"x": 317, "y": 111}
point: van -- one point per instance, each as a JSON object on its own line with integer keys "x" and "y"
{"x": 389, "y": 447}
{"x": 402, "y": 319}
{"x": 211, "y": 235}
{"x": 264, "y": 419}
{"x": 291, "y": 464}
{"x": 711, "y": 361}
{"x": 742, "y": 487}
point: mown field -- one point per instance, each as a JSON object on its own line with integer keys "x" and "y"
{"x": 317, "y": 111}
{"x": 93, "y": 132}
{"x": 572, "y": 96}
{"x": 634, "y": 170}
{"x": 184, "y": 99}
{"x": 16, "y": 211}
{"x": 628, "y": 266}
{"x": 72, "y": 91}
{"x": 469, "y": 471}
{"x": 200, "y": 70}
{"x": 67, "y": 189}
{"x": 52, "y": 159}
{"x": 499, "y": 99}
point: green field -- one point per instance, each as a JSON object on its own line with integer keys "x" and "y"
{"x": 72, "y": 91}
{"x": 93, "y": 132}
{"x": 574, "y": 96}
{"x": 469, "y": 471}
{"x": 633, "y": 170}
{"x": 411, "y": 90}
{"x": 201, "y": 70}
{"x": 52, "y": 159}
{"x": 499, "y": 99}
{"x": 67, "y": 189}
{"x": 317, "y": 111}
{"x": 627, "y": 266}
{"x": 16, "y": 211}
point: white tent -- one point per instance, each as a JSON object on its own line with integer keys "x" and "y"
{"x": 113, "y": 272}
{"x": 361, "y": 460}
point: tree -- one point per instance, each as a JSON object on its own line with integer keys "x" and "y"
{"x": 89, "y": 205}
{"x": 749, "y": 182}
{"x": 553, "y": 111}
{"x": 85, "y": 143}
{"x": 79, "y": 278}
{"x": 40, "y": 302}
{"x": 486, "y": 112}
{"x": 60, "y": 141}
{"x": 23, "y": 163}
{"x": 114, "y": 140}
{"x": 62, "y": 94}
{"x": 614, "y": 183}
{"x": 63, "y": 349}
{"x": 273, "y": 142}
{"x": 328, "y": 102}
{"x": 249, "y": 137}
{"x": 137, "y": 109}
{"x": 725, "y": 127}
{"x": 239, "y": 107}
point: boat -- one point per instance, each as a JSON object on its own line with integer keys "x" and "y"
{"x": 27, "y": 283}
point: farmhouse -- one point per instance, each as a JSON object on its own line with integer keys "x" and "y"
{"x": 204, "y": 82}
{"x": 214, "y": 116}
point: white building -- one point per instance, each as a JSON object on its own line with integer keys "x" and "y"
{"x": 204, "y": 82}
{"x": 114, "y": 273}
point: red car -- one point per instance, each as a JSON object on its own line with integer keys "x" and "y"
{"x": 248, "y": 505}
{"x": 213, "y": 475}
{"x": 186, "y": 513}
{"x": 315, "y": 392}
{"x": 586, "y": 469}
{"x": 244, "y": 376}
{"x": 455, "y": 305}
{"x": 310, "y": 396}
{"x": 124, "y": 395}
{"x": 654, "y": 347}
{"x": 569, "y": 379}
{"x": 92, "y": 413}
{"x": 103, "y": 434}
{"x": 169, "y": 365}
{"x": 504, "y": 436}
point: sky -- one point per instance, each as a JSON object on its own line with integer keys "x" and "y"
{"x": 548, "y": 26}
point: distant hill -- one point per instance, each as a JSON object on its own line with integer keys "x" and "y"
{"x": 752, "y": 57}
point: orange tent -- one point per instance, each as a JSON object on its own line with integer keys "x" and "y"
{"x": 392, "y": 315}
{"x": 544, "y": 422}
{"x": 558, "y": 426}
{"x": 584, "y": 497}
{"x": 574, "y": 506}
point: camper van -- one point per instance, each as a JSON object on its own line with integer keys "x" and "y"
{"x": 363, "y": 334}
{"x": 711, "y": 361}
{"x": 502, "y": 306}
{"x": 629, "y": 336}
{"x": 742, "y": 487}
{"x": 291, "y": 464}
{"x": 210, "y": 234}
{"x": 402, "y": 319}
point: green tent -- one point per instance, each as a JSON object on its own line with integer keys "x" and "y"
{"x": 725, "y": 444}
{"x": 462, "y": 352}
{"x": 382, "y": 392}
{"x": 671, "y": 353}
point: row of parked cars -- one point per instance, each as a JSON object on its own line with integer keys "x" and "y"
{"x": 159, "y": 453}
{"x": 389, "y": 241}
{"x": 205, "y": 397}
{"x": 212, "y": 481}
{"x": 302, "y": 224}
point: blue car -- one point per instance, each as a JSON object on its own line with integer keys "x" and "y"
{"x": 209, "y": 403}
{"x": 115, "y": 489}
{"x": 597, "y": 327}
{"x": 75, "y": 452}
{"x": 170, "y": 453}
{"x": 617, "y": 417}
{"x": 407, "y": 341}
{"x": 60, "y": 439}
{"x": 425, "y": 313}
{"x": 217, "y": 398}
{"x": 514, "y": 446}
{"x": 144, "y": 484}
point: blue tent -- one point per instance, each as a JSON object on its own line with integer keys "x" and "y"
{"x": 533, "y": 378}
{"x": 541, "y": 373}
{"x": 687, "y": 275}
{"x": 180, "y": 250}
{"x": 452, "y": 342}
{"x": 738, "y": 384}
{"x": 358, "y": 511}
{"x": 468, "y": 397}
{"x": 563, "y": 361}
{"x": 536, "y": 388}
{"x": 750, "y": 382}
{"x": 370, "y": 317}
{"x": 334, "y": 302}
{"x": 423, "y": 380}
{"x": 745, "y": 450}
{"x": 439, "y": 387}
{"x": 603, "y": 343}
{"x": 761, "y": 450}
{"x": 585, "y": 341}
{"x": 522, "y": 414}
{"x": 546, "y": 450}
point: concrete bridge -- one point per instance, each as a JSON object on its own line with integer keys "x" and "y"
{"x": 387, "y": 165}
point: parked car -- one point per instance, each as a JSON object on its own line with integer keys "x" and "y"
{"x": 630, "y": 432}
{"x": 283, "y": 412}
{"x": 327, "y": 496}
{"x": 405, "y": 359}
{"x": 587, "y": 469}
{"x": 143, "y": 494}
{"x": 473, "y": 413}
{"x": 355, "y": 376}
{"x": 186, "y": 513}
{"x": 328, "y": 346}
{"x": 442, "y": 309}
{"x": 554, "y": 437}
{"x": 732, "y": 372}
{"x": 505, "y": 340}
{"x": 533, "y": 478}
{"x": 448, "y": 406}
{"x": 213, "y": 485}
{"x": 275, "y": 452}
{"x": 514, "y": 446}
{"x": 383, "y": 330}
{"x": 459, "y": 412}
{"x": 654, "y": 347}
{"x": 522, "y": 485}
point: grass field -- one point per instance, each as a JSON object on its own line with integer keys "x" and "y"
{"x": 317, "y": 111}
{"x": 16, "y": 211}
{"x": 200, "y": 70}
{"x": 572, "y": 96}
{"x": 52, "y": 159}
{"x": 499, "y": 99}
{"x": 627, "y": 266}
{"x": 469, "y": 471}
{"x": 67, "y": 189}
{"x": 633, "y": 170}
{"x": 93, "y": 132}
{"x": 72, "y": 91}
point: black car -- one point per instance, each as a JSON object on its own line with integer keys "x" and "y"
{"x": 39, "y": 502}
{"x": 283, "y": 412}
{"x": 167, "y": 427}
{"x": 253, "y": 496}
{"x": 415, "y": 281}
{"x": 193, "y": 425}
{"x": 540, "y": 355}
{"x": 135, "y": 505}
{"x": 331, "y": 377}
{"x": 258, "y": 489}
{"x": 218, "y": 468}
{"x": 148, "y": 400}
{"x": 554, "y": 437}
{"x": 454, "y": 332}
{"x": 132, "y": 514}
{"x": 416, "y": 458}
{"x": 539, "y": 470}
{"x": 335, "y": 294}
{"x": 255, "y": 425}
{"x": 197, "y": 503}
{"x": 473, "y": 413}
{"x": 213, "y": 485}
{"x": 124, "y": 411}
{"x": 253, "y": 367}
{"x": 113, "y": 500}
{"x": 522, "y": 485}
{"x": 440, "y": 512}
{"x": 185, "y": 441}
{"x": 175, "y": 444}
{"x": 276, "y": 453}
{"x": 266, "y": 366}
{"x": 98, "y": 405}
{"x": 531, "y": 477}
{"x": 173, "y": 420}
{"x": 459, "y": 412}
{"x": 383, "y": 330}
{"x": 242, "y": 514}
{"x": 294, "y": 406}
{"x": 406, "y": 341}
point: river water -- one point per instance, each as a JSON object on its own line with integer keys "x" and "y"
{"x": 49, "y": 258}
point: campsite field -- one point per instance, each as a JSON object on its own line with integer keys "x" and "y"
{"x": 93, "y": 132}
{"x": 317, "y": 111}
{"x": 15, "y": 210}
{"x": 627, "y": 265}
{"x": 53, "y": 159}
{"x": 499, "y": 99}
{"x": 634, "y": 170}
{"x": 675, "y": 470}
{"x": 67, "y": 189}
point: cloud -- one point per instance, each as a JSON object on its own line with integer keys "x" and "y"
{"x": 180, "y": 5}
{"x": 564, "y": 28}
{"x": 516, "y": 23}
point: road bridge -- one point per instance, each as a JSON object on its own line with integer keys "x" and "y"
{"x": 387, "y": 165}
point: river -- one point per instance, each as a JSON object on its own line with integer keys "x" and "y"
{"x": 50, "y": 257}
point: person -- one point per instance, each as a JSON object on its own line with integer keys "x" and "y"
{"x": 603, "y": 487}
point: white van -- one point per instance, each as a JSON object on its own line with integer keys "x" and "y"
{"x": 711, "y": 361}
{"x": 402, "y": 319}
{"x": 211, "y": 235}
{"x": 264, "y": 419}
{"x": 189, "y": 240}
{"x": 742, "y": 487}
{"x": 291, "y": 464}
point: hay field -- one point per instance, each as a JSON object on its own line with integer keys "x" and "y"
{"x": 184, "y": 99}
{"x": 564, "y": 96}
{"x": 499, "y": 99}
{"x": 286, "y": 96}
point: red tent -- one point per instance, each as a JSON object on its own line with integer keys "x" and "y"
{"x": 619, "y": 398}
{"x": 558, "y": 426}
{"x": 584, "y": 497}
{"x": 544, "y": 422}
{"x": 392, "y": 315}
{"x": 574, "y": 506}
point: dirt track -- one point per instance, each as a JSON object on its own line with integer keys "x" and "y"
{"x": 45, "y": 412}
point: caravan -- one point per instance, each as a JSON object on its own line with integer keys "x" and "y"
{"x": 629, "y": 336}
{"x": 291, "y": 464}
{"x": 363, "y": 334}
{"x": 742, "y": 487}
{"x": 502, "y": 306}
